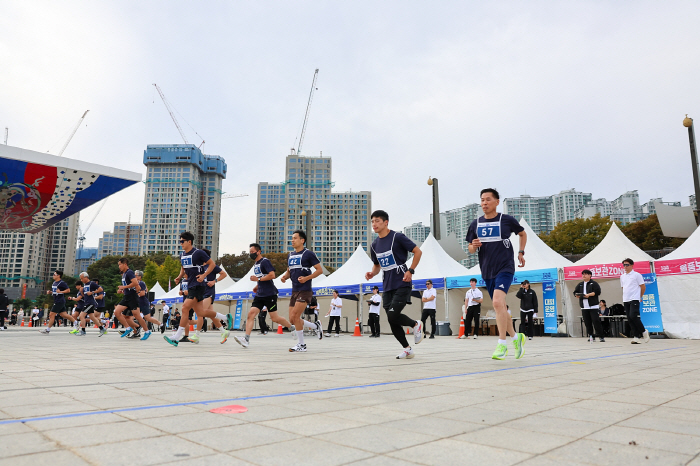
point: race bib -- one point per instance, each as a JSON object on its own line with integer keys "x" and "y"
{"x": 186, "y": 261}
{"x": 386, "y": 260}
{"x": 294, "y": 262}
{"x": 489, "y": 232}
{"x": 257, "y": 272}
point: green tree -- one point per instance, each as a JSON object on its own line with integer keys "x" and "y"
{"x": 577, "y": 236}
{"x": 168, "y": 271}
{"x": 150, "y": 273}
{"x": 647, "y": 234}
{"x": 24, "y": 303}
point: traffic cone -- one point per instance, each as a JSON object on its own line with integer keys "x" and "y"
{"x": 279, "y": 330}
{"x": 191, "y": 327}
{"x": 22, "y": 324}
{"x": 30, "y": 323}
{"x": 114, "y": 324}
{"x": 461, "y": 329}
{"x": 408, "y": 331}
{"x": 357, "y": 333}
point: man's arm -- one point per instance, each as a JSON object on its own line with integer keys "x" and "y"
{"x": 375, "y": 270}
{"x": 211, "y": 266}
{"x": 523, "y": 241}
{"x": 318, "y": 271}
{"x": 642, "y": 289}
{"x": 417, "y": 253}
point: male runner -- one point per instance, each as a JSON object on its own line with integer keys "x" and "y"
{"x": 89, "y": 290}
{"x": 130, "y": 302}
{"x": 389, "y": 253}
{"x": 217, "y": 275}
{"x": 78, "y": 308}
{"x": 144, "y": 305}
{"x": 58, "y": 288}
{"x": 265, "y": 295}
{"x": 490, "y": 236}
{"x": 299, "y": 264}
{"x": 100, "y": 298}
{"x": 196, "y": 266}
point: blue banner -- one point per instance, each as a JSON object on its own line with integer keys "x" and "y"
{"x": 237, "y": 316}
{"x": 533, "y": 276}
{"x": 649, "y": 309}
{"x": 549, "y": 297}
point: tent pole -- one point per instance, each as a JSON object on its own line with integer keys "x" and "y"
{"x": 359, "y": 305}
{"x": 447, "y": 302}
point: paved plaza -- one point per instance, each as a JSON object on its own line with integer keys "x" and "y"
{"x": 346, "y": 401}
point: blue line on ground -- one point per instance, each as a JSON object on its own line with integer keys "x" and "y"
{"x": 350, "y": 387}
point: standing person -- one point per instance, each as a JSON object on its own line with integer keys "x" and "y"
{"x": 265, "y": 295}
{"x": 4, "y": 303}
{"x": 389, "y": 253}
{"x": 299, "y": 265}
{"x": 335, "y": 311}
{"x": 20, "y": 316}
{"x": 130, "y": 302}
{"x": 374, "y": 304}
{"x": 166, "y": 316}
{"x": 90, "y": 290}
{"x": 604, "y": 311}
{"x": 633, "y": 288}
{"x": 35, "y": 316}
{"x": 215, "y": 276}
{"x": 528, "y": 307}
{"x": 59, "y": 289}
{"x": 587, "y": 292}
{"x": 472, "y": 301}
{"x": 429, "y": 306}
{"x": 489, "y": 235}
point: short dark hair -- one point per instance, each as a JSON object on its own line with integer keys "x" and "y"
{"x": 473, "y": 280}
{"x": 96, "y": 280}
{"x": 256, "y": 246}
{"x": 490, "y": 190}
{"x": 428, "y": 281}
{"x": 335, "y": 291}
{"x": 375, "y": 287}
{"x": 207, "y": 251}
{"x": 301, "y": 234}
{"x": 187, "y": 236}
{"x": 124, "y": 260}
{"x": 603, "y": 301}
{"x": 587, "y": 272}
{"x": 78, "y": 284}
{"x": 628, "y": 260}
{"x": 58, "y": 272}
{"x": 380, "y": 214}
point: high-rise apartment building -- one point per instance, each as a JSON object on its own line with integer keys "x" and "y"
{"x": 125, "y": 239}
{"x": 183, "y": 193}
{"x": 537, "y": 211}
{"x": 567, "y": 202}
{"x": 626, "y": 208}
{"x": 457, "y": 222}
{"x": 417, "y": 232}
{"x": 338, "y": 221}
{"x": 649, "y": 208}
{"x": 84, "y": 258}
{"x": 597, "y": 206}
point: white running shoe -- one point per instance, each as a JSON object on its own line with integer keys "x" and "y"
{"x": 242, "y": 341}
{"x": 328, "y": 334}
{"x": 463, "y": 337}
{"x": 336, "y": 335}
{"x": 636, "y": 341}
{"x": 417, "y": 333}
{"x": 319, "y": 330}
{"x": 475, "y": 337}
{"x": 44, "y": 332}
{"x": 646, "y": 336}
{"x": 194, "y": 338}
{"x": 406, "y": 354}
{"x": 298, "y": 348}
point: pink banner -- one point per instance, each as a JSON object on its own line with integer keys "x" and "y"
{"x": 603, "y": 270}
{"x": 677, "y": 266}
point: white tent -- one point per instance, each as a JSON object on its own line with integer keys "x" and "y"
{"x": 158, "y": 290}
{"x": 614, "y": 248}
{"x": 174, "y": 293}
{"x": 678, "y": 294}
{"x": 436, "y": 263}
{"x": 537, "y": 254}
{"x": 352, "y": 272}
{"x": 226, "y": 282}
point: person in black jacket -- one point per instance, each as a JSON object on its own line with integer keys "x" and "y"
{"x": 587, "y": 292}
{"x": 528, "y": 307}
{"x": 4, "y": 302}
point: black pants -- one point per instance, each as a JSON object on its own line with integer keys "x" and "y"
{"x": 336, "y": 320}
{"x": 3, "y": 314}
{"x": 592, "y": 320}
{"x": 636, "y": 325}
{"x": 393, "y": 302}
{"x": 527, "y": 322}
{"x": 424, "y": 317}
{"x": 473, "y": 314}
{"x": 165, "y": 318}
{"x": 262, "y": 322}
{"x": 374, "y": 324}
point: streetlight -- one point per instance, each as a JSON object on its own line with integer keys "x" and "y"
{"x": 688, "y": 123}
{"x": 436, "y": 207}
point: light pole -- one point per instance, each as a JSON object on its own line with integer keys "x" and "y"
{"x": 307, "y": 214}
{"x": 436, "y": 207}
{"x": 688, "y": 123}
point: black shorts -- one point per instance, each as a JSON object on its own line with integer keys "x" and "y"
{"x": 130, "y": 302}
{"x": 209, "y": 292}
{"x": 195, "y": 293}
{"x": 270, "y": 302}
{"x": 58, "y": 308}
{"x": 88, "y": 309}
{"x": 145, "y": 309}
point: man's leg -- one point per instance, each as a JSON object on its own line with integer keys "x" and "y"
{"x": 397, "y": 320}
{"x": 295, "y": 313}
{"x": 278, "y": 319}
{"x": 432, "y": 322}
{"x": 635, "y": 320}
{"x": 503, "y": 320}
{"x": 250, "y": 320}
{"x": 119, "y": 314}
{"x": 597, "y": 326}
{"x": 587, "y": 321}
{"x": 424, "y": 317}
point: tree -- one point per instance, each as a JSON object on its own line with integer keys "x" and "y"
{"x": 24, "y": 303}
{"x": 168, "y": 272}
{"x": 647, "y": 234}
{"x": 577, "y": 236}
{"x": 150, "y": 273}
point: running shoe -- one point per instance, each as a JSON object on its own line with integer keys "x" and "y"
{"x": 646, "y": 336}
{"x": 44, "y": 331}
{"x": 126, "y": 332}
{"x": 319, "y": 330}
{"x": 298, "y": 348}
{"x": 418, "y": 332}
{"x": 162, "y": 328}
{"x": 146, "y": 335}
{"x": 229, "y": 321}
{"x": 169, "y": 340}
{"x": 241, "y": 341}
{"x": 224, "y": 336}
{"x": 336, "y": 335}
{"x": 328, "y": 334}
{"x": 75, "y": 331}
{"x": 501, "y": 352}
{"x": 406, "y": 354}
{"x": 82, "y": 333}
{"x": 475, "y": 337}
{"x": 102, "y": 332}
{"x": 194, "y": 338}
{"x": 519, "y": 343}
{"x": 636, "y": 341}
{"x": 184, "y": 339}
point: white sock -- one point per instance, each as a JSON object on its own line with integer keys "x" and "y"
{"x": 221, "y": 317}
{"x": 308, "y": 324}
{"x": 300, "y": 337}
{"x": 180, "y": 332}
{"x": 502, "y": 342}
{"x": 221, "y": 329}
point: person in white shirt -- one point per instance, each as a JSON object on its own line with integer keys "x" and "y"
{"x": 633, "y": 288}
{"x": 166, "y": 316}
{"x": 35, "y": 316}
{"x": 473, "y": 301}
{"x": 334, "y": 312}
{"x": 429, "y": 303}
{"x": 374, "y": 302}
{"x": 20, "y": 317}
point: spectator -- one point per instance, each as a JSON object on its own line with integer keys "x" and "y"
{"x": 528, "y": 307}
{"x": 166, "y": 316}
{"x": 587, "y": 292}
{"x": 633, "y": 288}
{"x": 334, "y": 312}
{"x": 175, "y": 321}
{"x": 40, "y": 315}
{"x": 472, "y": 302}
{"x": 311, "y": 309}
{"x": 374, "y": 306}
{"x": 604, "y": 311}
{"x": 4, "y": 302}
{"x": 429, "y": 300}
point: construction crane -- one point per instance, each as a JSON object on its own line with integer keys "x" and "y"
{"x": 308, "y": 108}
{"x": 81, "y": 232}
{"x": 231, "y": 196}
{"x": 73, "y": 133}
{"x": 172, "y": 115}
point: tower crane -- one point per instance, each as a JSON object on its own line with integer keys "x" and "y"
{"x": 73, "y": 133}
{"x": 308, "y": 108}
{"x": 172, "y": 115}
{"x": 81, "y": 232}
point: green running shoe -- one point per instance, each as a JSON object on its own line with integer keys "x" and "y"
{"x": 229, "y": 322}
{"x": 500, "y": 353}
{"x": 519, "y": 343}
{"x": 74, "y": 331}
{"x": 169, "y": 340}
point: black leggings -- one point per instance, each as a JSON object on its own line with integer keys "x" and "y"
{"x": 424, "y": 317}
{"x": 527, "y": 321}
{"x": 592, "y": 321}
{"x": 374, "y": 323}
{"x": 2, "y": 318}
{"x": 473, "y": 314}
{"x": 336, "y": 320}
{"x": 632, "y": 310}
{"x": 393, "y": 302}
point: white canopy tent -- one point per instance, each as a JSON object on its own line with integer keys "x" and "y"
{"x": 614, "y": 248}
{"x": 158, "y": 290}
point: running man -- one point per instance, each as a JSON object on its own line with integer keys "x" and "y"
{"x": 265, "y": 295}
{"x": 58, "y": 289}
{"x": 130, "y": 302}
{"x": 78, "y": 309}
{"x": 144, "y": 306}
{"x": 89, "y": 290}
{"x": 490, "y": 237}
{"x": 100, "y": 298}
{"x": 217, "y": 275}
{"x": 299, "y": 264}
{"x": 389, "y": 253}
{"x": 196, "y": 266}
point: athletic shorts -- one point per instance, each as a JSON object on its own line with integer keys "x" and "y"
{"x": 145, "y": 309}
{"x": 130, "y": 302}
{"x": 209, "y": 292}
{"x": 270, "y": 302}
{"x": 300, "y": 297}
{"x": 195, "y": 293}
{"x": 88, "y": 309}
{"x": 502, "y": 282}
{"x": 57, "y": 308}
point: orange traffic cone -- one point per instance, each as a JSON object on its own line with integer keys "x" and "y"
{"x": 461, "y": 329}
{"x": 30, "y": 323}
{"x": 191, "y": 327}
{"x": 279, "y": 330}
{"x": 357, "y": 333}
{"x": 408, "y": 331}
{"x": 22, "y": 324}
{"x": 114, "y": 324}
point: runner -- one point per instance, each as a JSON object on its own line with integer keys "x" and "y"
{"x": 78, "y": 308}
{"x": 58, "y": 288}
{"x": 490, "y": 237}
{"x": 389, "y": 253}
{"x": 144, "y": 305}
{"x": 100, "y": 298}
{"x": 129, "y": 305}
{"x": 89, "y": 290}
{"x": 299, "y": 264}
{"x": 196, "y": 266}
{"x": 265, "y": 295}
{"x": 217, "y": 275}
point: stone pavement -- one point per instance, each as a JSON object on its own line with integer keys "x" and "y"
{"x": 346, "y": 401}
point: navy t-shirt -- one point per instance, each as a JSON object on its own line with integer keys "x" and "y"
{"x": 193, "y": 263}
{"x": 390, "y": 253}
{"x": 260, "y": 269}
{"x": 212, "y": 276}
{"x": 301, "y": 264}
{"x": 127, "y": 277}
{"x": 80, "y": 303}
{"x": 89, "y": 300}
{"x": 496, "y": 251}
{"x": 101, "y": 302}
{"x": 59, "y": 298}
{"x": 143, "y": 300}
